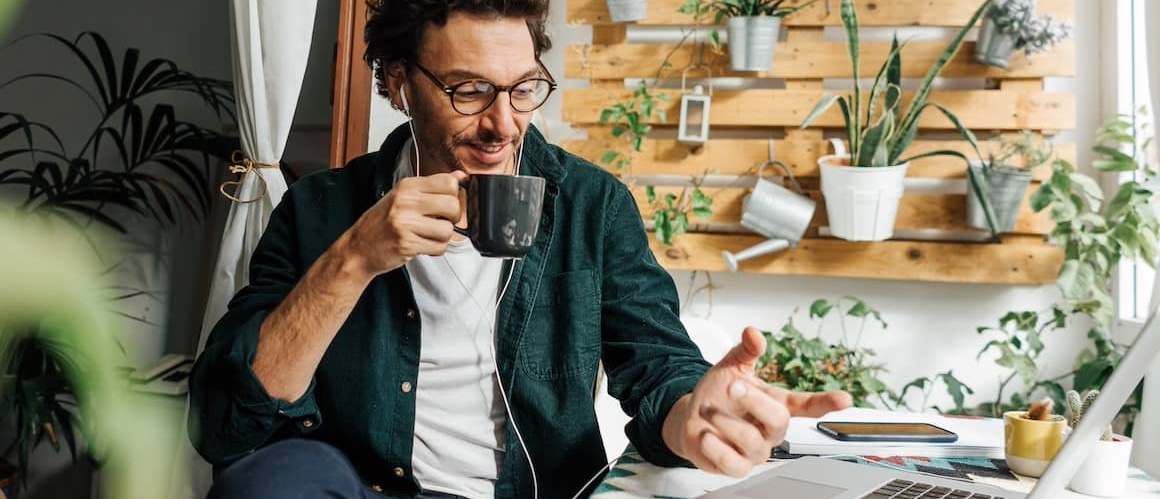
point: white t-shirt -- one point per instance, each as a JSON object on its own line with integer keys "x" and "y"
{"x": 459, "y": 415}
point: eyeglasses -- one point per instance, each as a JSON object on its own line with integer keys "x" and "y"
{"x": 474, "y": 96}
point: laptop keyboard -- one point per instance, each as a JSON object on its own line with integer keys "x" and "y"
{"x": 903, "y": 489}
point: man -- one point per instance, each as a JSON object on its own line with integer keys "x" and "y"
{"x": 376, "y": 351}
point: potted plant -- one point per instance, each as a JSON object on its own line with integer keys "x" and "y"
{"x": 752, "y": 26}
{"x": 1032, "y": 437}
{"x": 138, "y": 161}
{"x": 1105, "y": 470}
{"x": 627, "y": 11}
{"x": 862, "y": 188}
{"x": 1006, "y": 174}
{"x": 1011, "y": 25}
{"x": 812, "y": 364}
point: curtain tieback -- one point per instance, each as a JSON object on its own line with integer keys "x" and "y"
{"x": 243, "y": 165}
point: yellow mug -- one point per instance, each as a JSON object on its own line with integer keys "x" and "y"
{"x": 1030, "y": 444}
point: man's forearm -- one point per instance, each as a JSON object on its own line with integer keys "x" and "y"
{"x": 294, "y": 337}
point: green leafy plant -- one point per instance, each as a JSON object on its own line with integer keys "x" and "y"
{"x": 1095, "y": 236}
{"x": 671, "y": 213}
{"x": 138, "y": 157}
{"x": 878, "y": 129}
{"x": 630, "y": 120}
{"x": 797, "y": 362}
{"x": 138, "y": 160}
{"x": 1078, "y": 405}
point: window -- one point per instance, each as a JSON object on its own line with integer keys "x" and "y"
{"x": 1130, "y": 89}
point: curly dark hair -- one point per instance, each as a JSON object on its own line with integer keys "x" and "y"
{"x": 395, "y": 27}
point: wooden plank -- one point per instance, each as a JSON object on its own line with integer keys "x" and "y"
{"x": 1031, "y": 265}
{"x": 977, "y": 109}
{"x": 811, "y": 59}
{"x": 742, "y": 157}
{"x": 872, "y": 13}
{"x": 915, "y": 211}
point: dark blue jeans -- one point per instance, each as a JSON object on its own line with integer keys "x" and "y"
{"x": 291, "y": 469}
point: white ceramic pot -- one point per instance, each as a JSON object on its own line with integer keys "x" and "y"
{"x": 1105, "y": 471}
{"x": 861, "y": 202}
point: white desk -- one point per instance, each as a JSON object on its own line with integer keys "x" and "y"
{"x": 632, "y": 477}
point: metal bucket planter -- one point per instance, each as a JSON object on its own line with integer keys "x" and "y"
{"x": 627, "y": 11}
{"x": 994, "y": 48}
{"x": 751, "y": 41}
{"x": 1006, "y": 187}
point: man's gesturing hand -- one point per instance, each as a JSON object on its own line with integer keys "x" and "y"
{"x": 732, "y": 420}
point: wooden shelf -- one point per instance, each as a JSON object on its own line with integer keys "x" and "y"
{"x": 1016, "y": 263}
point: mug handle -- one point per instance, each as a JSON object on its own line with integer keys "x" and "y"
{"x": 462, "y": 232}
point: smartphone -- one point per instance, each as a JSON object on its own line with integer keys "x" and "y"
{"x": 886, "y": 432}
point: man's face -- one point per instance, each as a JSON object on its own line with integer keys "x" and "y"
{"x": 467, "y": 48}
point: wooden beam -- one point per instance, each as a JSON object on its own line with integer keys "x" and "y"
{"x": 741, "y": 157}
{"x": 977, "y": 109}
{"x": 811, "y": 59}
{"x": 948, "y": 13}
{"x": 945, "y": 212}
{"x": 1017, "y": 264}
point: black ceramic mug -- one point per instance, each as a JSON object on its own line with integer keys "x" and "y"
{"x": 503, "y": 213}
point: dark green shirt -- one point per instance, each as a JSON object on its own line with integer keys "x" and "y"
{"x": 589, "y": 291}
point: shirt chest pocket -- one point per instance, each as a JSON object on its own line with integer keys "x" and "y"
{"x": 563, "y": 335}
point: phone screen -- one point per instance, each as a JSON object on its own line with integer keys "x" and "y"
{"x": 886, "y": 432}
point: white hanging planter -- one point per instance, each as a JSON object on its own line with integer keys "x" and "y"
{"x": 861, "y": 202}
{"x": 751, "y": 40}
{"x": 1105, "y": 471}
{"x": 626, "y": 11}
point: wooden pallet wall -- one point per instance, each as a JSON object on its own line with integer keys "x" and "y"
{"x": 932, "y": 240}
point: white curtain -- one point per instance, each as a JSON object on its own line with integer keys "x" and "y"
{"x": 270, "y": 41}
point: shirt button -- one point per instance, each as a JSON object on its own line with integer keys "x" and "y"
{"x": 410, "y": 313}
{"x": 406, "y": 387}
{"x": 308, "y": 423}
{"x": 377, "y": 488}
{"x": 399, "y": 472}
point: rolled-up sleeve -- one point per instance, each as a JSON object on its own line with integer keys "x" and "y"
{"x": 650, "y": 360}
{"x": 231, "y": 414}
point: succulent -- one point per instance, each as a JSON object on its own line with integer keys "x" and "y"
{"x": 1077, "y": 406}
{"x": 1023, "y": 147}
{"x": 1035, "y": 34}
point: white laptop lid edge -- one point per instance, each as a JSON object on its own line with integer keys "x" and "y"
{"x": 1112, "y": 396}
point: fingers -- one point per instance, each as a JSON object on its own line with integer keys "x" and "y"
{"x": 741, "y": 432}
{"x": 722, "y": 458}
{"x": 745, "y": 354}
{"x": 768, "y": 416}
{"x": 811, "y": 404}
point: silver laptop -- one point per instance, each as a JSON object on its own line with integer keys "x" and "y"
{"x": 821, "y": 478}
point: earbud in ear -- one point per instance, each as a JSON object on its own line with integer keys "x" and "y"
{"x": 403, "y": 98}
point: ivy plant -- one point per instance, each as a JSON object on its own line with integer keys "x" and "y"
{"x": 671, "y": 213}
{"x": 630, "y": 120}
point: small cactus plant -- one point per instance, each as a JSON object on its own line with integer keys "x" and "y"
{"x": 1077, "y": 406}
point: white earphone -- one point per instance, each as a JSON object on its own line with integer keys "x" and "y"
{"x": 403, "y": 97}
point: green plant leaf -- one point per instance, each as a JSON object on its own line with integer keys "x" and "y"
{"x": 823, "y": 104}
{"x": 820, "y": 308}
{"x": 608, "y": 157}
